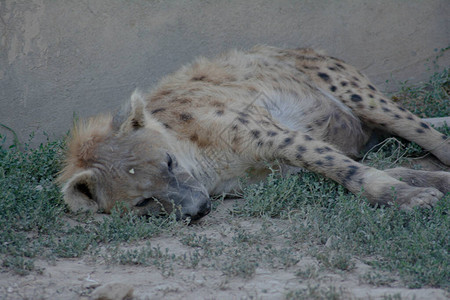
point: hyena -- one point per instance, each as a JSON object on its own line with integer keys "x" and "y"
{"x": 214, "y": 121}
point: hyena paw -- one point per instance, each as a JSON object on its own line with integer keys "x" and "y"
{"x": 421, "y": 197}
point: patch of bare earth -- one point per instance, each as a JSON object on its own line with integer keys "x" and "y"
{"x": 178, "y": 276}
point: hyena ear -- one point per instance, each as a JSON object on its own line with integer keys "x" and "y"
{"x": 137, "y": 110}
{"x": 80, "y": 192}
{"x": 132, "y": 115}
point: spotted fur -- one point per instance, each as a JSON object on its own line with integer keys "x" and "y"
{"x": 207, "y": 125}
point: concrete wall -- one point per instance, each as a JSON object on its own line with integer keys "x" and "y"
{"x": 63, "y": 57}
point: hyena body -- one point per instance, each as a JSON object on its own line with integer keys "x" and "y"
{"x": 215, "y": 121}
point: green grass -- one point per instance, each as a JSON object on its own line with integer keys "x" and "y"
{"x": 431, "y": 98}
{"x": 296, "y": 216}
{"x": 32, "y": 213}
{"x": 414, "y": 245}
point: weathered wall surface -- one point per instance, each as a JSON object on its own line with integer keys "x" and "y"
{"x": 58, "y": 58}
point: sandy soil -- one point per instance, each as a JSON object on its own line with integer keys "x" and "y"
{"x": 86, "y": 277}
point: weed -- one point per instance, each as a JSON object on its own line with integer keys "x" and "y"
{"x": 429, "y": 99}
{"x": 310, "y": 272}
{"x": 376, "y": 279}
{"x": 317, "y": 292}
{"x": 32, "y": 212}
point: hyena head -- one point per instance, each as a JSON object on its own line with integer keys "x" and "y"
{"x": 129, "y": 159}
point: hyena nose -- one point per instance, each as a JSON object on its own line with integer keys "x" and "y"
{"x": 200, "y": 212}
{"x": 204, "y": 209}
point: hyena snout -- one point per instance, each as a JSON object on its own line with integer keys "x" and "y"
{"x": 192, "y": 204}
{"x": 198, "y": 211}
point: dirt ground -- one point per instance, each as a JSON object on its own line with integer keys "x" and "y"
{"x": 88, "y": 277}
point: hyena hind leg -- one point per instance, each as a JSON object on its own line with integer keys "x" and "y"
{"x": 437, "y": 179}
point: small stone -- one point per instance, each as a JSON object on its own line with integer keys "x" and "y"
{"x": 113, "y": 291}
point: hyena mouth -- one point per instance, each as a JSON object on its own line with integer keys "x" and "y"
{"x": 144, "y": 202}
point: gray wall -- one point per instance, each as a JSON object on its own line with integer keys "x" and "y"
{"x": 63, "y": 57}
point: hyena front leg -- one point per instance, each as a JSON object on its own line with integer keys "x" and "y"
{"x": 300, "y": 149}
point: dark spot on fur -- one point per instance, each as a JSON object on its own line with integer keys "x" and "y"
{"x": 444, "y": 137}
{"x": 155, "y": 111}
{"x": 332, "y": 68}
{"x": 243, "y": 121}
{"x": 371, "y": 87}
{"x": 340, "y": 66}
{"x": 385, "y": 109}
{"x": 136, "y": 124}
{"x": 270, "y": 143}
{"x": 219, "y": 112}
{"x": 271, "y": 133}
{"x": 383, "y": 101}
{"x": 371, "y": 106}
{"x": 301, "y": 149}
{"x": 310, "y": 67}
{"x": 319, "y": 162}
{"x": 424, "y": 125}
{"x": 325, "y": 77}
{"x": 165, "y": 92}
{"x": 186, "y": 117}
{"x": 287, "y": 141}
{"x": 194, "y": 137}
{"x": 356, "y": 98}
{"x": 344, "y": 83}
{"x": 333, "y": 88}
{"x": 397, "y": 116}
{"x": 323, "y": 149}
{"x": 410, "y": 117}
{"x": 329, "y": 158}
{"x": 255, "y": 133}
{"x": 183, "y": 100}
{"x": 235, "y": 127}
{"x": 354, "y": 84}
{"x": 382, "y": 124}
{"x": 355, "y": 78}
{"x": 308, "y": 137}
{"x": 420, "y": 130}
{"x": 167, "y": 126}
{"x": 352, "y": 170}
{"x": 346, "y": 160}
{"x": 260, "y": 143}
{"x": 401, "y": 108}
{"x": 319, "y": 122}
{"x": 370, "y": 96}
{"x": 199, "y": 78}
{"x": 217, "y": 104}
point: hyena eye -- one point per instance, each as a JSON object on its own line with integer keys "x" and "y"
{"x": 169, "y": 162}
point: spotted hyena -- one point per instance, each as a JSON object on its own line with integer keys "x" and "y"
{"x": 215, "y": 121}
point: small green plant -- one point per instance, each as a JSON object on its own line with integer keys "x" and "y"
{"x": 32, "y": 213}
{"x": 317, "y": 292}
{"x": 429, "y": 99}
